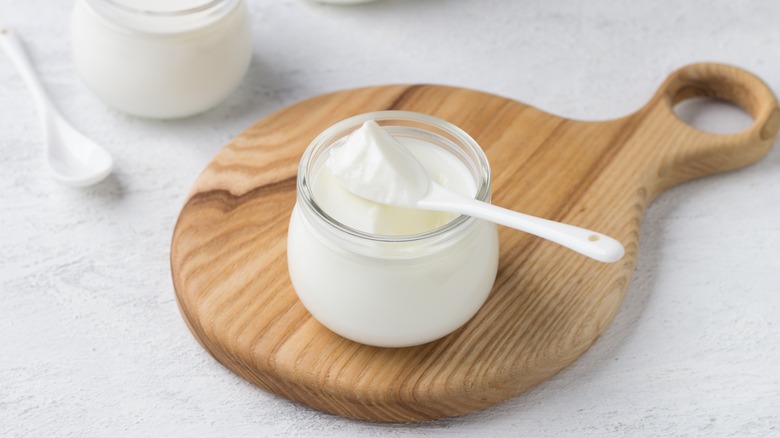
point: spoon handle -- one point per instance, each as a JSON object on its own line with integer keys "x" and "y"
{"x": 590, "y": 243}
{"x": 15, "y": 51}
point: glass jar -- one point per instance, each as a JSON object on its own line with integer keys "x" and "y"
{"x": 383, "y": 290}
{"x": 161, "y": 59}
{"x": 343, "y": 2}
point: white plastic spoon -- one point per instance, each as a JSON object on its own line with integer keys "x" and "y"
{"x": 72, "y": 158}
{"x": 375, "y": 166}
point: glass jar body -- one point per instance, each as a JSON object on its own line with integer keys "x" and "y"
{"x": 392, "y": 302}
{"x": 160, "y": 66}
{"x": 392, "y": 291}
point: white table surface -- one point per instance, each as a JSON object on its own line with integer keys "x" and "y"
{"x": 91, "y": 341}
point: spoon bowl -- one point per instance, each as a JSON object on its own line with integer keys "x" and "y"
{"x": 72, "y": 158}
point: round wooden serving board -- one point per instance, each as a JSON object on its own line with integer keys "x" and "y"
{"x": 548, "y": 305}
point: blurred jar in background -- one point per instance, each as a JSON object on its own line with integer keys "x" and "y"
{"x": 342, "y": 2}
{"x": 161, "y": 59}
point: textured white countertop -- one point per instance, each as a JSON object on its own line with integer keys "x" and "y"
{"x": 91, "y": 341}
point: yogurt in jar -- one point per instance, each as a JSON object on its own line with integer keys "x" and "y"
{"x": 161, "y": 59}
{"x": 384, "y": 275}
{"x": 366, "y": 158}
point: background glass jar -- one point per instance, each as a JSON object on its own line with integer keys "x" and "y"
{"x": 392, "y": 291}
{"x": 161, "y": 59}
{"x": 343, "y": 2}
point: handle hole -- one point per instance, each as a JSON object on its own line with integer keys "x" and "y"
{"x": 712, "y": 115}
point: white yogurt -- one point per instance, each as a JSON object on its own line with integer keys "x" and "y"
{"x": 161, "y": 59}
{"x": 371, "y": 163}
{"x": 366, "y": 162}
{"x": 384, "y": 275}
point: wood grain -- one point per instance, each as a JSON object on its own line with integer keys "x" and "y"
{"x": 548, "y": 304}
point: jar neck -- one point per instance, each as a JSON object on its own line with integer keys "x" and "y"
{"x": 160, "y": 18}
{"x": 436, "y": 131}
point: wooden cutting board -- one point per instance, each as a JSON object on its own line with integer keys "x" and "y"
{"x": 549, "y": 304}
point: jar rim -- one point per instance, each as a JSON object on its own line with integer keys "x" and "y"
{"x": 447, "y": 230}
{"x": 190, "y": 10}
{"x": 161, "y": 22}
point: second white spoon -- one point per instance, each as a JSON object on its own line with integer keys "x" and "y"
{"x": 73, "y": 159}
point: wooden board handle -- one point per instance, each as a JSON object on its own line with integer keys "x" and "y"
{"x": 728, "y": 83}
{"x": 686, "y": 152}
